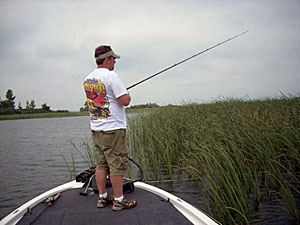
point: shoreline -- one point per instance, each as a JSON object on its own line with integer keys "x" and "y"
{"x": 63, "y": 114}
{"x": 41, "y": 115}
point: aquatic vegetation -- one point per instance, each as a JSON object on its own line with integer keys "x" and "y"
{"x": 236, "y": 149}
{"x": 82, "y": 155}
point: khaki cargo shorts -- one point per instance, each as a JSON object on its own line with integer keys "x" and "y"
{"x": 111, "y": 151}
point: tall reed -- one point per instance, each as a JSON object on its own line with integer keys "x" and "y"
{"x": 236, "y": 148}
{"x": 83, "y": 151}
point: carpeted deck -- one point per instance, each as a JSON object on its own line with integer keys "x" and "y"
{"x": 74, "y": 209}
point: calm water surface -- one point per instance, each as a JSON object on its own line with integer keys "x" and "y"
{"x": 31, "y": 163}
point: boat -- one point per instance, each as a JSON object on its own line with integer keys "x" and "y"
{"x": 75, "y": 203}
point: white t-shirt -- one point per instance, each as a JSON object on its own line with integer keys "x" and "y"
{"x": 102, "y": 88}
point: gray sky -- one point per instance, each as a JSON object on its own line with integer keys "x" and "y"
{"x": 47, "y": 48}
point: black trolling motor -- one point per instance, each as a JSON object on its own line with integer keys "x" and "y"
{"x": 182, "y": 61}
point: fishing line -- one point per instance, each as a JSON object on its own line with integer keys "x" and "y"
{"x": 176, "y": 64}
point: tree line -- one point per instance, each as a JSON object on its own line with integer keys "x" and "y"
{"x": 7, "y": 106}
{"x": 141, "y": 106}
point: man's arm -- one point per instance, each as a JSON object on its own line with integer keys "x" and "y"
{"x": 124, "y": 99}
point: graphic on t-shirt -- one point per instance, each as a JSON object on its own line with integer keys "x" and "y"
{"x": 97, "y": 101}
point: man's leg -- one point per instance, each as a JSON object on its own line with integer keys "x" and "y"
{"x": 117, "y": 184}
{"x": 101, "y": 180}
{"x": 120, "y": 202}
{"x": 104, "y": 198}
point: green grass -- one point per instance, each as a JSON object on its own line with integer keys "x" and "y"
{"x": 234, "y": 147}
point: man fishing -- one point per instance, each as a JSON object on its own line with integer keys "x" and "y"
{"x": 107, "y": 98}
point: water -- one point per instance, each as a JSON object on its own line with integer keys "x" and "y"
{"x": 30, "y": 156}
{"x": 31, "y": 163}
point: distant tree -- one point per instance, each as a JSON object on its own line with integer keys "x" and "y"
{"x": 7, "y": 106}
{"x": 45, "y": 107}
{"x": 148, "y": 105}
{"x": 85, "y": 108}
{"x": 19, "y": 106}
{"x": 32, "y": 104}
{"x": 10, "y": 97}
{"x": 27, "y": 104}
{"x": 4, "y": 104}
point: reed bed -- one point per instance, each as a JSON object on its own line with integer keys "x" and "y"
{"x": 242, "y": 152}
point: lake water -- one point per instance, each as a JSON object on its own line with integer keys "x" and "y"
{"x": 31, "y": 163}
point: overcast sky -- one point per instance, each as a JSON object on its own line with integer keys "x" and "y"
{"x": 47, "y": 48}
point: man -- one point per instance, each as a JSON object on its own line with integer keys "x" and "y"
{"x": 107, "y": 98}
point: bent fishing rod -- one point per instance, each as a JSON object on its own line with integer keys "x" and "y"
{"x": 176, "y": 64}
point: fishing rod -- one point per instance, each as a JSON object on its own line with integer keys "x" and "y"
{"x": 50, "y": 201}
{"x": 176, "y": 64}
